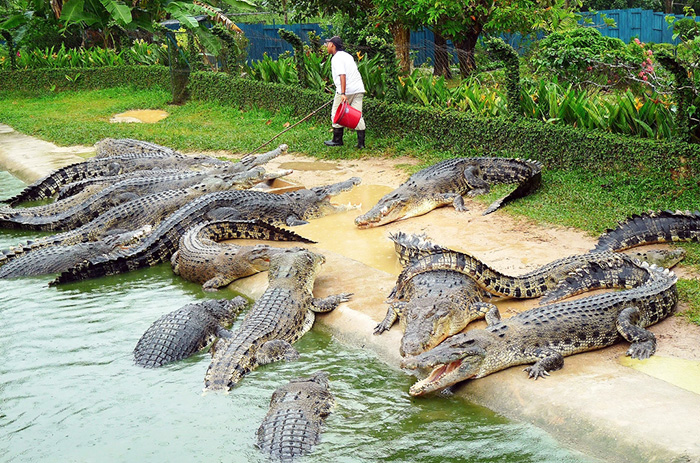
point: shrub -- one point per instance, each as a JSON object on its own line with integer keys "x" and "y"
{"x": 583, "y": 56}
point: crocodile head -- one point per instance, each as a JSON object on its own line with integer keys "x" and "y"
{"x": 666, "y": 258}
{"x": 225, "y": 310}
{"x": 458, "y": 358}
{"x": 257, "y": 257}
{"x": 426, "y": 325}
{"x": 297, "y": 264}
{"x": 395, "y": 206}
{"x": 316, "y": 202}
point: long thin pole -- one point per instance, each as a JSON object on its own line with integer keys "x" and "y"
{"x": 289, "y": 128}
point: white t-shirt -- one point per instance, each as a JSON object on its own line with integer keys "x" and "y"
{"x": 343, "y": 63}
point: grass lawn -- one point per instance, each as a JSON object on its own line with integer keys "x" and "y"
{"x": 588, "y": 200}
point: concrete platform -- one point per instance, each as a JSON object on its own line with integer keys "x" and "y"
{"x": 595, "y": 404}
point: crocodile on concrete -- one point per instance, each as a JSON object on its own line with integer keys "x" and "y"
{"x": 48, "y": 186}
{"x": 434, "y": 305}
{"x": 56, "y": 259}
{"x": 120, "y": 193}
{"x": 181, "y": 333}
{"x": 282, "y": 314}
{"x": 546, "y": 334}
{"x": 446, "y": 182}
{"x": 202, "y": 259}
{"x": 292, "y": 426}
{"x": 147, "y": 210}
{"x": 290, "y": 209}
{"x": 651, "y": 227}
{"x": 536, "y": 283}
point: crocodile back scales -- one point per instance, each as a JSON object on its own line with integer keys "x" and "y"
{"x": 181, "y": 333}
{"x": 292, "y": 426}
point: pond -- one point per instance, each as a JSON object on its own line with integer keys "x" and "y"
{"x": 69, "y": 390}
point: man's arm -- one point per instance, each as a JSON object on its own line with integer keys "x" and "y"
{"x": 343, "y": 98}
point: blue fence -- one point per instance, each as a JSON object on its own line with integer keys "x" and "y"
{"x": 646, "y": 25}
{"x": 264, "y": 38}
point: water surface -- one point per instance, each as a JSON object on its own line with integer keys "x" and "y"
{"x": 69, "y": 391}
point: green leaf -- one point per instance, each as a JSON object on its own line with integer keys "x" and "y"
{"x": 120, "y": 12}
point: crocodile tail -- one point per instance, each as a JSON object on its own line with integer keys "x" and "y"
{"x": 48, "y": 186}
{"x": 529, "y": 178}
{"x": 651, "y": 227}
{"x": 251, "y": 229}
{"x": 411, "y": 247}
{"x": 621, "y": 273}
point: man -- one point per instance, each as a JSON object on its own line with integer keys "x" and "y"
{"x": 348, "y": 88}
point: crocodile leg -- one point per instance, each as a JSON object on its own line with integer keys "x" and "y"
{"x": 488, "y": 310}
{"x": 275, "y": 350}
{"x": 215, "y": 283}
{"x": 475, "y": 179}
{"x": 643, "y": 341}
{"x": 393, "y": 313}
{"x": 549, "y": 360}
{"x": 329, "y": 303}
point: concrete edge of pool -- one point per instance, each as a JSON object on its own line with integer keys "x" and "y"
{"x": 594, "y": 405}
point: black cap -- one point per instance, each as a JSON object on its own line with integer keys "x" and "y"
{"x": 337, "y": 41}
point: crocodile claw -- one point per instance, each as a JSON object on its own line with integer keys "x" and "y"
{"x": 641, "y": 350}
{"x": 536, "y": 371}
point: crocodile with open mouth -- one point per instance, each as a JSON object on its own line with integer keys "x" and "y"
{"x": 546, "y": 334}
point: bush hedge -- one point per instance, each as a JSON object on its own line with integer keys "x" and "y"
{"x": 454, "y": 131}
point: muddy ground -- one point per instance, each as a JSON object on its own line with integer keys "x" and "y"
{"x": 599, "y": 403}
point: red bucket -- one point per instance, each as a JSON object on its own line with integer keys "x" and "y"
{"x": 347, "y": 116}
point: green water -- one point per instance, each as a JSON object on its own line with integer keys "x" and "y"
{"x": 69, "y": 391}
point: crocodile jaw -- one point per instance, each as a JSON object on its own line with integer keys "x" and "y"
{"x": 441, "y": 377}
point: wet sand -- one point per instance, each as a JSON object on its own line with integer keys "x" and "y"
{"x": 596, "y": 403}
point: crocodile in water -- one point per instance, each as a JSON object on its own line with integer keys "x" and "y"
{"x": 284, "y": 312}
{"x": 546, "y": 334}
{"x": 181, "y": 333}
{"x": 446, "y": 182}
{"x": 56, "y": 259}
{"x": 292, "y": 426}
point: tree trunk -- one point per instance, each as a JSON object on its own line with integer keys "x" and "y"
{"x": 465, "y": 46}
{"x": 402, "y": 42}
{"x": 668, "y": 6}
{"x": 442, "y": 58}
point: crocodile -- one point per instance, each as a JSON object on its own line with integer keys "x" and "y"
{"x": 292, "y": 208}
{"x": 536, "y": 283}
{"x": 56, "y": 259}
{"x": 181, "y": 333}
{"x": 446, "y": 182}
{"x": 120, "y": 193}
{"x": 546, "y": 334}
{"x": 49, "y": 185}
{"x": 146, "y": 210}
{"x": 201, "y": 259}
{"x": 292, "y": 426}
{"x": 651, "y": 227}
{"x": 119, "y": 146}
{"x": 284, "y": 312}
{"x": 435, "y": 305}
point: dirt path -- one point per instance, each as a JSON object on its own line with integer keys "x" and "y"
{"x": 595, "y": 404}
